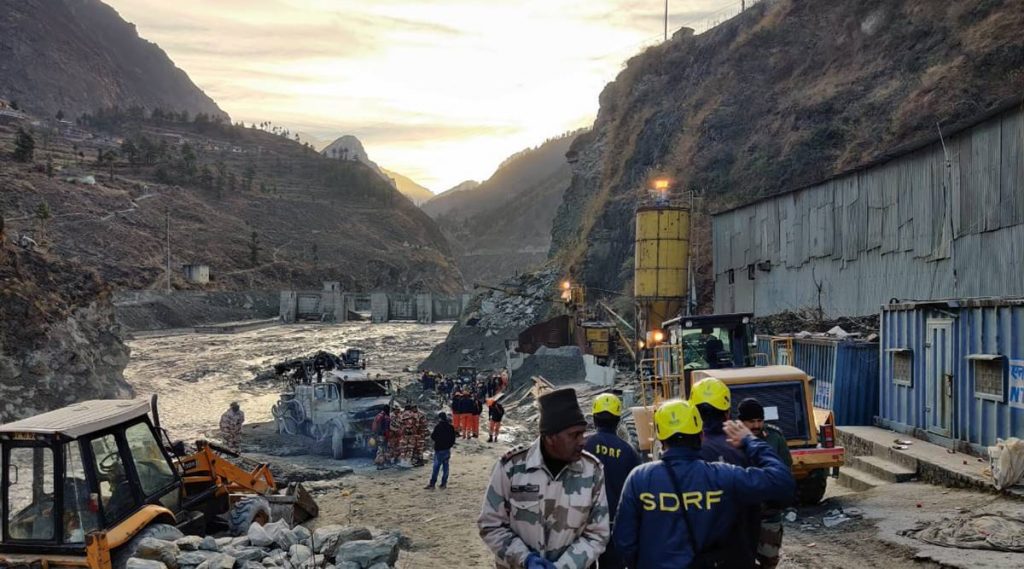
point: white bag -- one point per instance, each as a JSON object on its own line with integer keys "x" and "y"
{"x": 1007, "y": 461}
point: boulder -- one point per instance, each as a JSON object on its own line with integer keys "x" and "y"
{"x": 218, "y": 561}
{"x": 245, "y": 553}
{"x": 301, "y": 534}
{"x": 252, "y": 565}
{"x": 258, "y": 536}
{"x": 326, "y": 539}
{"x": 154, "y": 549}
{"x": 280, "y": 533}
{"x": 194, "y": 558}
{"x": 224, "y": 541}
{"x": 240, "y": 541}
{"x": 383, "y": 549}
{"x": 348, "y": 565}
{"x": 209, "y": 543}
{"x": 136, "y": 563}
{"x": 189, "y": 543}
{"x": 380, "y": 566}
{"x": 298, "y": 554}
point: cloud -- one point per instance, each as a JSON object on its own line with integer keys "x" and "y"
{"x": 445, "y": 89}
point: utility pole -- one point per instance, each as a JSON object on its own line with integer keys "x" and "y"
{"x": 666, "y": 20}
{"x": 167, "y": 236}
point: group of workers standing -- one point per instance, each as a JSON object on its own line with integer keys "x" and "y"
{"x": 401, "y": 436}
{"x": 714, "y": 499}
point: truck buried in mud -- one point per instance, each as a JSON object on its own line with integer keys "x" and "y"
{"x": 338, "y": 410}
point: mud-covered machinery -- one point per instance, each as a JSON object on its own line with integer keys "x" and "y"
{"x": 337, "y": 411}
{"x": 83, "y": 485}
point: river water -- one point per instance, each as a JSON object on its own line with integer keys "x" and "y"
{"x": 198, "y": 375}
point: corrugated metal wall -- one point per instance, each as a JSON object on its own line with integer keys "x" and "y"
{"x": 894, "y": 230}
{"x": 845, "y": 374}
{"x": 994, "y": 328}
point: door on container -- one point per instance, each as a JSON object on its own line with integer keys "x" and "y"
{"x": 938, "y": 350}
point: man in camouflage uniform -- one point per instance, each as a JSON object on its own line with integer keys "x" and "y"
{"x": 545, "y": 506}
{"x": 769, "y": 543}
{"x": 231, "y": 427}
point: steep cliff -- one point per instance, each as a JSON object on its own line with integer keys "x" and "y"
{"x": 77, "y": 56}
{"x": 58, "y": 339}
{"x": 503, "y": 226}
{"x": 783, "y": 95}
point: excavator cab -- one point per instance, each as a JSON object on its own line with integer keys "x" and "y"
{"x": 73, "y": 475}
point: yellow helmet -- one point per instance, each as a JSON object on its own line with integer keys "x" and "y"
{"x": 608, "y": 403}
{"x": 711, "y": 391}
{"x": 676, "y": 417}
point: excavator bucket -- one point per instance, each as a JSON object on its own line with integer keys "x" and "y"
{"x": 294, "y": 504}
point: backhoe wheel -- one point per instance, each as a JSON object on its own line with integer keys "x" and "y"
{"x": 245, "y": 512}
{"x": 120, "y": 556}
{"x": 338, "y": 443}
{"x": 811, "y": 490}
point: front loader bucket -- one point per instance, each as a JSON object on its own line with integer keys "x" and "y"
{"x": 294, "y": 505}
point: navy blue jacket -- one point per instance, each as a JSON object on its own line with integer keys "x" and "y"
{"x": 619, "y": 459}
{"x": 716, "y": 448}
{"x": 650, "y": 531}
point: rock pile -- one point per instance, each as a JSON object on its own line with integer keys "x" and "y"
{"x": 492, "y": 318}
{"x": 273, "y": 546}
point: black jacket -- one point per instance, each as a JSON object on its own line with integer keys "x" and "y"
{"x": 497, "y": 412}
{"x": 443, "y": 436}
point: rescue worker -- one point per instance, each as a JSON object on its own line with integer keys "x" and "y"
{"x": 459, "y": 418}
{"x": 444, "y": 439}
{"x": 421, "y": 436}
{"x": 395, "y": 439}
{"x": 769, "y": 544}
{"x": 545, "y": 505}
{"x": 618, "y": 457}
{"x": 713, "y": 348}
{"x": 713, "y": 401}
{"x": 495, "y": 413}
{"x": 503, "y": 384}
{"x": 475, "y": 410}
{"x": 382, "y": 431}
{"x": 680, "y": 511}
{"x": 231, "y": 427}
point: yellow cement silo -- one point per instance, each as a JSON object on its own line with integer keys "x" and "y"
{"x": 661, "y": 263}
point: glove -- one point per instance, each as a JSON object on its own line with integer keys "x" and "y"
{"x": 535, "y": 561}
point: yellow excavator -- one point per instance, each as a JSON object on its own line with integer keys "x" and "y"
{"x": 81, "y": 486}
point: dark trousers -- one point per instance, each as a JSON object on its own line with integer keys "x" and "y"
{"x": 440, "y": 462}
{"x": 610, "y": 559}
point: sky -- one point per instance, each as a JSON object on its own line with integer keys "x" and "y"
{"x": 438, "y": 90}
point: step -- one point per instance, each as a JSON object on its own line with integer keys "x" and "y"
{"x": 880, "y": 468}
{"x": 870, "y": 441}
{"x": 858, "y": 480}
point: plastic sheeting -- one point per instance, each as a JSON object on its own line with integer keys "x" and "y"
{"x": 982, "y": 531}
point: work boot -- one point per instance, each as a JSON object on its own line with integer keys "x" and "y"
{"x": 490, "y": 439}
{"x": 443, "y": 486}
{"x": 430, "y": 487}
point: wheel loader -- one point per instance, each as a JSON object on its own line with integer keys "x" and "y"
{"x": 81, "y": 486}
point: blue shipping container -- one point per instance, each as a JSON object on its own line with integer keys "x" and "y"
{"x": 845, "y": 374}
{"x": 953, "y": 371}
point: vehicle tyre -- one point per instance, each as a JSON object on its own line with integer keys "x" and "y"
{"x": 338, "y": 443}
{"x": 120, "y": 556}
{"x": 811, "y": 490}
{"x": 245, "y": 512}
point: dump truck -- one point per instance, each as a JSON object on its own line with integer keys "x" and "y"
{"x": 337, "y": 411}
{"x": 83, "y": 485}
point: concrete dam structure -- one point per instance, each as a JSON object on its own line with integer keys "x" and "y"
{"x": 333, "y": 305}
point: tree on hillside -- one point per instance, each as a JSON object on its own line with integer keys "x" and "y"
{"x": 24, "y": 146}
{"x": 254, "y": 249}
{"x": 247, "y": 177}
{"x": 188, "y": 161}
{"x": 130, "y": 151}
{"x": 43, "y": 216}
{"x": 206, "y": 179}
{"x": 60, "y": 115}
{"x": 232, "y": 182}
{"x": 107, "y": 157}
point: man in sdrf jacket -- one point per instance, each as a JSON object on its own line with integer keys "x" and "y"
{"x": 679, "y": 512}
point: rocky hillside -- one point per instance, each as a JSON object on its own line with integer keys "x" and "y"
{"x": 76, "y": 56}
{"x": 262, "y": 211}
{"x": 503, "y": 225}
{"x": 58, "y": 340}
{"x": 783, "y": 95}
{"x": 409, "y": 188}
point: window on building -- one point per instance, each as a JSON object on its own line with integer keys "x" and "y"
{"x": 731, "y": 275}
{"x": 903, "y": 367}
{"x": 989, "y": 376}
{"x": 750, "y": 271}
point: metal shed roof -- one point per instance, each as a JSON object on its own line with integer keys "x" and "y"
{"x": 81, "y": 418}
